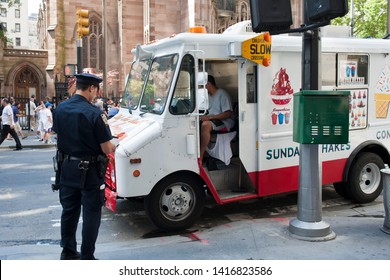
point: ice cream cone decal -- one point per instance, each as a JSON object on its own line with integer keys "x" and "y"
{"x": 382, "y": 97}
{"x": 381, "y": 105}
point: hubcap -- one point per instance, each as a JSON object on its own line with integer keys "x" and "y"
{"x": 370, "y": 178}
{"x": 176, "y": 202}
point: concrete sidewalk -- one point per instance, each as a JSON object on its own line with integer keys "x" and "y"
{"x": 358, "y": 237}
{"x": 31, "y": 142}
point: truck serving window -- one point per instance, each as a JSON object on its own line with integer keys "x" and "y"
{"x": 158, "y": 84}
{"x": 183, "y": 101}
{"x": 135, "y": 84}
{"x": 352, "y": 70}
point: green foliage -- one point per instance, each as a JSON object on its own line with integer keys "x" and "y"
{"x": 10, "y": 3}
{"x": 370, "y": 18}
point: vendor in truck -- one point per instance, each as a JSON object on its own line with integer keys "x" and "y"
{"x": 219, "y": 117}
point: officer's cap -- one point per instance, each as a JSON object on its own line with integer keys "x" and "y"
{"x": 88, "y": 79}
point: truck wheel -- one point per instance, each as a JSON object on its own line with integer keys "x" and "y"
{"x": 341, "y": 189}
{"x": 365, "y": 183}
{"x": 175, "y": 203}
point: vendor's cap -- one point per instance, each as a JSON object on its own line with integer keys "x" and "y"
{"x": 88, "y": 79}
{"x": 47, "y": 104}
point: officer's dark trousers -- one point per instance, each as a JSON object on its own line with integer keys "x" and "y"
{"x": 90, "y": 198}
{"x": 7, "y": 129}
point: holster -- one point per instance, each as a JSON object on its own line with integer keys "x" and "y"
{"x": 102, "y": 162}
{"x": 57, "y": 164}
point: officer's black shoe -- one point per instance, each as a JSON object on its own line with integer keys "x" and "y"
{"x": 67, "y": 255}
{"x": 18, "y": 149}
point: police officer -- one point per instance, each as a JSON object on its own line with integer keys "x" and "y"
{"x": 83, "y": 138}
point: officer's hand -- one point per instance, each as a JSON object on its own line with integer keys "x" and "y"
{"x": 115, "y": 141}
{"x": 108, "y": 147}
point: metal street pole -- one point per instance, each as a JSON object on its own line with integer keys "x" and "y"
{"x": 309, "y": 225}
{"x": 353, "y": 17}
{"x": 388, "y": 16}
{"x": 104, "y": 48}
{"x": 79, "y": 44}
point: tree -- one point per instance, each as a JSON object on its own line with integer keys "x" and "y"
{"x": 3, "y": 32}
{"x": 370, "y": 18}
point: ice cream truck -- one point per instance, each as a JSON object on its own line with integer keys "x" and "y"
{"x": 157, "y": 157}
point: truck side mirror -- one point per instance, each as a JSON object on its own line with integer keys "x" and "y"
{"x": 202, "y": 97}
{"x": 201, "y": 79}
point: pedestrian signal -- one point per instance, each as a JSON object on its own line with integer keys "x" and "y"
{"x": 270, "y": 15}
{"x": 326, "y": 10}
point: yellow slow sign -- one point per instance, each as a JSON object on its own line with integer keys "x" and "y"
{"x": 258, "y": 49}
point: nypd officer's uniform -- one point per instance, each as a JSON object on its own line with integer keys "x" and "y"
{"x": 81, "y": 127}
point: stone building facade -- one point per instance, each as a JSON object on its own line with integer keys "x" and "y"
{"x": 22, "y": 73}
{"x": 129, "y": 22}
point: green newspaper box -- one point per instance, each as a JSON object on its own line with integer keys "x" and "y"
{"x": 321, "y": 117}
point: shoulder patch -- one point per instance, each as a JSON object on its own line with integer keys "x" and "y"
{"x": 104, "y": 118}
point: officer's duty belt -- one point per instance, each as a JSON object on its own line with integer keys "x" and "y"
{"x": 91, "y": 159}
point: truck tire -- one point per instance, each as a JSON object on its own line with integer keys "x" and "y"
{"x": 364, "y": 180}
{"x": 341, "y": 189}
{"x": 175, "y": 203}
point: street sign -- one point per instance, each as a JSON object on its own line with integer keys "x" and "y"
{"x": 258, "y": 49}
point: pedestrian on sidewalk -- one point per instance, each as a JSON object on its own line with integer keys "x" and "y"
{"x": 83, "y": 140}
{"x": 17, "y": 114}
{"x": 40, "y": 111}
{"x": 30, "y": 107}
{"x": 7, "y": 118}
{"x": 47, "y": 121}
{"x": 1, "y": 112}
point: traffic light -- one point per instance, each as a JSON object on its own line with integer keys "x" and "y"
{"x": 82, "y": 22}
{"x": 270, "y": 15}
{"x": 323, "y": 10}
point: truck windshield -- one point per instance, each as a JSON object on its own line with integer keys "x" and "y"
{"x": 135, "y": 84}
{"x": 158, "y": 84}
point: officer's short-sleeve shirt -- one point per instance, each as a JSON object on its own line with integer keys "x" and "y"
{"x": 80, "y": 127}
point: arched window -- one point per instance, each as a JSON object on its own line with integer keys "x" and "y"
{"x": 227, "y": 5}
{"x": 244, "y": 11}
{"x": 93, "y": 46}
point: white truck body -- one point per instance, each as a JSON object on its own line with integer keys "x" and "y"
{"x": 158, "y": 153}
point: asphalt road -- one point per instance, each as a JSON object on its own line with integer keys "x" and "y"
{"x": 30, "y": 211}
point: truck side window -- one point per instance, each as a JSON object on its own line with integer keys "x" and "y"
{"x": 183, "y": 101}
{"x": 329, "y": 66}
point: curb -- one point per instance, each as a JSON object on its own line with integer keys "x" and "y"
{"x": 30, "y": 146}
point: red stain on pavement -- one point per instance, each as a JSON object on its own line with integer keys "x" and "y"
{"x": 193, "y": 236}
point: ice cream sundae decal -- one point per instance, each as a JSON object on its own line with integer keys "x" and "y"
{"x": 281, "y": 89}
{"x": 281, "y": 94}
